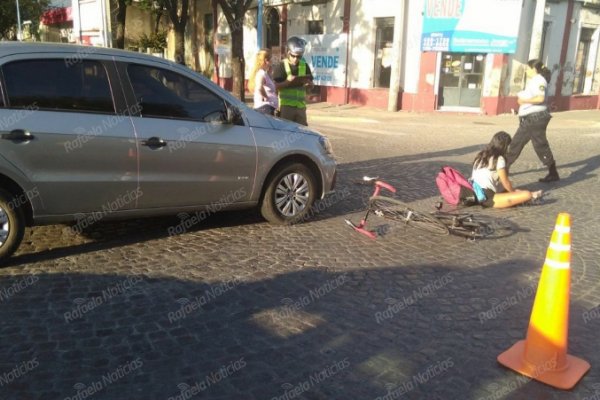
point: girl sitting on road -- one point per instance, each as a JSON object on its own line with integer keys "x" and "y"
{"x": 491, "y": 174}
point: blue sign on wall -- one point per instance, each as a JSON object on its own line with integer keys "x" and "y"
{"x": 326, "y": 56}
{"x": 471, "y": 26}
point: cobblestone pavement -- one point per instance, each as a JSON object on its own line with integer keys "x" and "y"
{"x": 234, "y": 308}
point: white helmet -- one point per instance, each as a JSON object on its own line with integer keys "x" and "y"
{"x": 296, "y": 45}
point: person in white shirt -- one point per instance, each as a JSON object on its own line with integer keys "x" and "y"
{"x": 533, "y": 120}
{"x": 491, "y": 174}
{"x": 261, "y": 84}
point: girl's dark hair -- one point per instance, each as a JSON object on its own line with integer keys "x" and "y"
{"x": 495, "y": 148}
{"x": 540, "y": 69}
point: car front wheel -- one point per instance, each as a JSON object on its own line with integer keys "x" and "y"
{"x": 289, "y": 195}
{"x": 12, "y": 224}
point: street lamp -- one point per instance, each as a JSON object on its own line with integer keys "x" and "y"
{"x": 19, "y": 33}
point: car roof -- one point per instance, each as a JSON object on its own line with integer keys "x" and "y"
{"x": 10, "y": 48}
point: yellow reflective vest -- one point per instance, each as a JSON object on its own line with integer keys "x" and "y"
{"x": 293, "y": 96}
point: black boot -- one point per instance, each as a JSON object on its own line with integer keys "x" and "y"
{"x": 552, "y": 174}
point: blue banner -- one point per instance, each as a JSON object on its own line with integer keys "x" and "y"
{"x": 471, "y": 26}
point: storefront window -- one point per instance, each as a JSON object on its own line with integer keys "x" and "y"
{"x": 384, "y": 39}
{"x": 545, "y": 31}
{"x": 461, "y": 79}
{"x": 315, "y": 27}
{"x": 581, "y": 60}
{"x": 272, "y": 22}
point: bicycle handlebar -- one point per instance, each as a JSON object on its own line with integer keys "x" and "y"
{"x": 387, "y": 186}
{"x": 378, "y": 184}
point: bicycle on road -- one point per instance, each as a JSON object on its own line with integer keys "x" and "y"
{"x": 464, "y": 224}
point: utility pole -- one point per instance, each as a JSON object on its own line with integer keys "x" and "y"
{"x": 538, "y": 29}
{"x": 396, "y": 57}
{"x": 346, "y": 30}
{"x": 259, "y": 24}
{"x": 19, "y": 32}
{"x": 106, "y": 35}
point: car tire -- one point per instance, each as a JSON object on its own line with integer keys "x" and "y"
{"x": 12, "y": 224}
{"x": 289, "y": 195}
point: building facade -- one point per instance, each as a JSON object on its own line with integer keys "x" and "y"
{"x": 388, "y": 54}
{"x": 56, "y": 23}
{"x": 91, "y": 22}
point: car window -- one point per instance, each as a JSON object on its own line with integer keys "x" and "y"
{"x": 57, "y": 85}
{"x": 165, "y": 94}
{"x": 1, "y": 93}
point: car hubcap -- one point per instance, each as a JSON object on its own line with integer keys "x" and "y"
{"x": 4, "y": 227}
{"x": 292, "y": 194}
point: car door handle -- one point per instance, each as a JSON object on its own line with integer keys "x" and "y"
{"x": 18, "y": 135}
{"x": 154, "y": 142}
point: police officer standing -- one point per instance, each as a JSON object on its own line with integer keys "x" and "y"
{"x": 292, "y": 76}
{"x": 533, "y": 120}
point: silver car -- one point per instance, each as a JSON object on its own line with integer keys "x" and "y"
{"x": 92, "y": 133}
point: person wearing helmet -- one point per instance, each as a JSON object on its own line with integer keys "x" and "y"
{"x": 292, "y": 76}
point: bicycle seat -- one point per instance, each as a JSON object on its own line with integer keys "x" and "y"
{"x": 370, "y": 178}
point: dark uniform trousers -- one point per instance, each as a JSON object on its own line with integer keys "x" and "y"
{"x": 532, "y": 127}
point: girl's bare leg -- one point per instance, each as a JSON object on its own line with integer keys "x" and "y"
{"x": 504, "y": 200}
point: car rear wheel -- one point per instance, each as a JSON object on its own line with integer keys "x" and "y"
{"x": 289, "y": 195}
{"x": 12, "y": 224}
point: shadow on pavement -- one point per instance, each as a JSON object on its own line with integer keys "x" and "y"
{"x": 415, "y": 331}
{"x": 584, "y": 170}
{"x": 105, "y": 235}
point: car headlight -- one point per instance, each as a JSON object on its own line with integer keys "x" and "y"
{"x": 326, "y": 144}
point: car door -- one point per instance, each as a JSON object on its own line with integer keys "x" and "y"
{"x": 188, "y": 156}
{"x": 62, "y": 131}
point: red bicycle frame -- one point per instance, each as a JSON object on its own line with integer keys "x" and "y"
{"x": 379, "y": 185}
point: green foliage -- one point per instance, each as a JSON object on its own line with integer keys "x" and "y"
{"x": 157, "y": 41}
{"x": 152, "y": 5}
{"x": 29, "y": 10}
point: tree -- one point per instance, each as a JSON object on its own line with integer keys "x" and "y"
{"x": 119, "y": 16}
{"x": 30, "y": 10}
{"x": 234, "y": 11}
{"x": 157, "y": 8}
{"x": 178, "y": 12}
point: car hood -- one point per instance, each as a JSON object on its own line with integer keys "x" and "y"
{"x": 259, "y": 120}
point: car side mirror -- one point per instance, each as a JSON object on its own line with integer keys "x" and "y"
{"x": 234, "y": 115}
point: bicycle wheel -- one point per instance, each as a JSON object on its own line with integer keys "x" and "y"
{"x": 396, "y": 210}
{"x": 458, "y": 224}
{"x": 473, "y": 226}
{"x": 491, "y": 227}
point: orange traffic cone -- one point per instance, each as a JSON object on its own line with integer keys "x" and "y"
{"x": 543, "y": 354}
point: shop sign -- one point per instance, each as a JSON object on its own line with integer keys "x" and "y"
{"x": 326, "y": 57}
{"x": 471, "y": 26}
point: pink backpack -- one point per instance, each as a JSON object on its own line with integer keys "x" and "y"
{"x": 454, "y": 187}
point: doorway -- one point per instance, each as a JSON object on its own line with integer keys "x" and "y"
{"x": 272, "y": 32}
{"x": 461, "y": 80}
{"x": 384, "y": 39}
